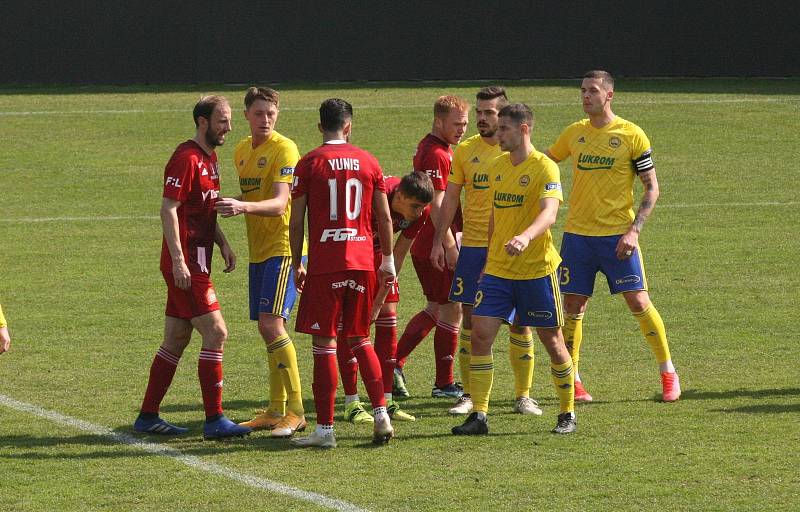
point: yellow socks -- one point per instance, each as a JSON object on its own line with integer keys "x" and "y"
{"x": 520, "y": 354}
{"x": 653, "y": 330}
{"x": 464, "y": 352}
{"x": 281, "y": 351}
{"x": 573, "y": 335}
{"x": 564, "y": 381}
{"x": 481, "y": 370}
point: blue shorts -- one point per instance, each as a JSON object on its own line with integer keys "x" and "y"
{"x": 272, "y": 288}
{"x": 537, "y": 301}
{"x": 471, "y": 261}
{"x": 583, "y": 256}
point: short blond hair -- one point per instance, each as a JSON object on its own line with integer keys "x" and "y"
{"x": 446, "y": 104}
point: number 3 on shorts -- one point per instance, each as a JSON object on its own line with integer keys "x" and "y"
{"x": 564, "y": 275}
{"x": 459, "y": 286}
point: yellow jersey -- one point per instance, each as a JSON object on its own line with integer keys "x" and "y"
{"x": 2, "y": 318}
{"x": 516, "y": 191}
{"x": 471, "y": 159}
{"x": 259, "y": 168}
{"x": 604, "y": 163}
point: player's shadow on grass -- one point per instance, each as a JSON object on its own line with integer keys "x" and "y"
{"x": 693, "y": 394}
{"x": 762, "y": 409}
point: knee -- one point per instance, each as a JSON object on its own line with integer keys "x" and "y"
{"x": 270, "y": 328}
{"x": 217, "y": 336}
{"x": 637, "y": 301}
{"x": 575, "y": 304}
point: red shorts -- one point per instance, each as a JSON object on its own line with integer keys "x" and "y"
{"x": 196, "y": 301}
{"x": 435, "y": 283}
{"x": 327, "y": 298}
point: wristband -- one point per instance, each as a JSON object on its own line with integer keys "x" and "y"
{"x": 387, "y": 264}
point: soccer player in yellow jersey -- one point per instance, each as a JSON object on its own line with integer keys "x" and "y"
{"x": 521, "y": 266}
{"x": 602, "y": 232}
{"x": 265, "y": 162}
{"x": 5, "y": 339}
{"x": 471, "y": 159}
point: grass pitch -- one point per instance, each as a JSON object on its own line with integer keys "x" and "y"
{"x": 80, "y": 182}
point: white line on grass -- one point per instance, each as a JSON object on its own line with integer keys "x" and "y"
{"x": 188, "y": 460}
{"x": 154, "y": 217}
{"x": 390, "y": 107}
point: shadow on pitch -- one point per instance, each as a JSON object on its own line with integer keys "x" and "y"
{"x": 694, "y": 394}
{"x": 762, "y": 409}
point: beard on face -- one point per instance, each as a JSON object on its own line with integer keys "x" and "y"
{"x": 214, "y": 138}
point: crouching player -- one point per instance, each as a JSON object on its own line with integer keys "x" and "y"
{"x": 521, "y": 267}
{"x": 342, "y": 186}
{"x": 409, "y": 202}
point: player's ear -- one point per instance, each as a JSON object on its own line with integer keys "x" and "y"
{"x": 347, "y": 129}
{"x": 319, "y": 127}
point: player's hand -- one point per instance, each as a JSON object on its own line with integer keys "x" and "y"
{"x": 451, "y": 257}
{"x": 5, "y": 340}
{"x": 378, "y": 302}
{"x": 229, "y": 256}
{"x": 299, "y": 278}
{"x": 627, "y": 244}
{"x": 180, "y": 272}
{"x": 438, "y": 257}
{"x": 517, "y": 245}
{"x": 230, "y": 207}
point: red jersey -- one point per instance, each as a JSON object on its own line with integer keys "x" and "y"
{"x": 338, "y": 180}
{"x": 191, "y": 177}
{"x": 434, "y": 158}
{"x": 399, "y": 223}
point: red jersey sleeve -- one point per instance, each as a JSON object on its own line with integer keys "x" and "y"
{"x": 178, "y": 176}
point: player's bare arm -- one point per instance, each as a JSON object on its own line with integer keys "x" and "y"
{"x": 546, "y": 218}
{"x": 400, "y": 251}
{"x": 273, "y": 207}
{"x": 380, "y": 206}
{"x": 447, "y": 211}
{"x": 225, "y": 250}
{"x": 448, "y": 240}
{"x": 169, "y": 225}
{"x": 296, "y": 233}
{"x": 628, "y": 242}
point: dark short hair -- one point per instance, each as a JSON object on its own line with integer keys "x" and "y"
{"x": 417, "y": 185}
{"x": 262, "y": 93}
{"x": 518, "y": 112}
{"x": 206, "y": 105}
{"x": 333, "y": 113}
{"x": 491, "y": 92}
{"x": 604, "y": 76}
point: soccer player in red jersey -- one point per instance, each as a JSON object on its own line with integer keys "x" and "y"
{"x": 342, "y": 187}
{"x": 434, "y": 157}
{"x": 189, "y": 222}
{"x": 409, "y": 200}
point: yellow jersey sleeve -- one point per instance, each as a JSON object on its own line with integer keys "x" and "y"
{"x": 3, "y": 322}
{"x": 561, "y": 147}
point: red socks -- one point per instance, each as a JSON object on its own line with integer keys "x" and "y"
{"x": 445, "y": 343}
{"x": 370, "y": 371}
{"x": 348, "y": 367}
{"x": 324, "y": 385}
{"x": 161, "y": 373}
{"x": 416, "y": 330}
{"x": 386, "y": 347}
{"x": 209, "y": 371}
